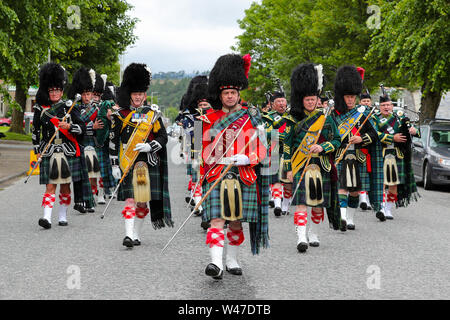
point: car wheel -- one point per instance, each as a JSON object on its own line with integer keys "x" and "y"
{"x": 427, "y": 184}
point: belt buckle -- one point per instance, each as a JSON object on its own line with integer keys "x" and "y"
{"x": 58, "y": 141}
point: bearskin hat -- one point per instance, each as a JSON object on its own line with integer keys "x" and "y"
{"x": 100, "y": 82}
{"x": 385, "y": 98}
{"x": 83, "y": 81}
{"x": 276, "y": 95}
{"x": 199, "y": 93}
{"x": 364, "y": 95}
{"x": 229, "y": 72}
{"x": 306, "y": 80}
{"x": 51, "y": 75}
{"x": 136, "y": 78}
{"x": 348, "y": 82}
{"x": 109, "y": 92}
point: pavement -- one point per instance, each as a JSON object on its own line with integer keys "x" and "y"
{"x": 14, "y": 160}
{"x": 406, "y": 258}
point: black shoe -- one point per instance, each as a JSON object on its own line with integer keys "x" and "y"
{"x": 214, "y": 271}
{"x": 197, "y": 213}
{"x": 314, "y": 244}
{"x": 127, "y": 242}
{"x": 343, "y": 226}
{"x": 389, "y": 217}
{"x": 44, "y": 223}
{"x": 79, "y": 208}
{"x": 187, "y": 199}
{"x": 363, "y": 206}
{"x": 277, "y": 211}
{"x": 350, "y": 227}
{"x": 136, "y": 242}
{"x": 62, "y": 223}
{"x": 235, "y": 271}
{"x": 271, "y": 204}
{"x": 302, "y": 247}
{"x": 380, "y": 216}
{"x": 90, "y": 210}
{"x": 205, "y": 225}
{"x": 284, "y": 213}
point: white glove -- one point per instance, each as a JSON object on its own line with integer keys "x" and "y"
{"x": 143, "y": 147}
{"x": 240, "y": 160}
{"x": 117, "y": 174}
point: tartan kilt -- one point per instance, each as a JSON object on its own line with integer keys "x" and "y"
{"x": 400, "y": 166}
{"x": 212, "y": 205}
{"x": 189, "y": 169}
{"x": 156, "y": 190}
{"x": 194, "y": 176}
{"x": 300, "y": 195}
{"x": 364, "y": 175}
{"x": 74, "y": 166}
{"x": 105, "y": 167}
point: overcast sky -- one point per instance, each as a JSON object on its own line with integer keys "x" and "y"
{"x": 184, "y": 35}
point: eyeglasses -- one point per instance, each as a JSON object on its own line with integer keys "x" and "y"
{"x": 54, "y": 90}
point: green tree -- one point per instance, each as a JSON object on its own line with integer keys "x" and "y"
{"x": 414, "y": 39}
{"x": 25, "y": 39}
{"x": 280, "y": 34}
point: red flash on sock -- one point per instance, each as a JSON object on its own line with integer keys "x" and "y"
{"x": 48, "y": 200}
{"x": 129, "y": 212}
{"x": 235, "y": 237}
{"x": 65, "y": 199}
{"x": 215, "y": 237}
{"x": 276, "y": 193}
{"x": 317, "y": 216}
{"x": 300, "y": 218}
{"x": 141, "y": 212}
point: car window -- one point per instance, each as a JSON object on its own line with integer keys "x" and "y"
{"x": 424, "y": 135}
{"x": 440, "y": 138}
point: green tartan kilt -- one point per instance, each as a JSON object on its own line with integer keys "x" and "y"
{"x": 300, "y": 195}
{"x": 105, "y": 167}
{"x": 400, "y": 166}
{"x": 126, "y": 187}
{"x": 189, "y": 169}
{"x": 74, "y": 166}
{"x": 194, "y": 176}
{"x": 364, "y": 175}
{"x": 212, "y": 205}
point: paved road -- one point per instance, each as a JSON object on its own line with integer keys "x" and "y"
{"x": 14, "y": 160}
{"x": 406, "y": 258}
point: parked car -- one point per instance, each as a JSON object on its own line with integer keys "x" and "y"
{"x": 431, "y": 153}
{"x": 5, "y": 122}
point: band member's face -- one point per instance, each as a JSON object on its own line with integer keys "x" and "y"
{"x": 309, "y": 103}
{"x": 86, "y": 97}
{"x": 203, "y": 105}
{"x": 319, "y": 103}
{"x": 96, "y": 97}
{"x": 279, "y": 105}
{"x": 325, "y": 104}
{"x": 386, "y": 108}
{"x": 55, "y": 94}
{"x": 138, "y": 98}
{"x": 350, "y": 100}
{"x": 366, "y": 102}
{"x": 229, "y": 98}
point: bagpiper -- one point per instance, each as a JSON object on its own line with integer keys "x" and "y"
{"x": 103, "y": 96}
{"x": 198, "y": 100}
{"x": 365, "y": 100}
{"x": 309, "y": 146}
{"x": 61, "y": 160}
{"x": 232, "y": 138}
{"x": 359, "y": 159}
{"x": 144, "y": 164}
{"x": 83, "y": 84}
{"x": 399, "y": 183}
{"x": 275, "y": 123}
